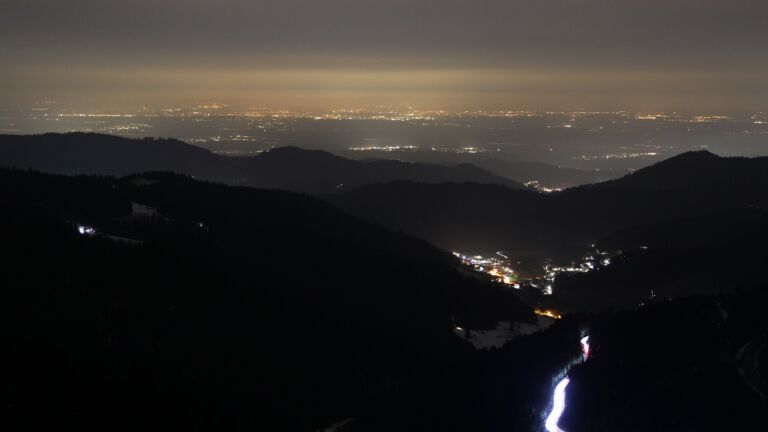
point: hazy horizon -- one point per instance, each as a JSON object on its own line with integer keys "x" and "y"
{"x": 682, "y": 55}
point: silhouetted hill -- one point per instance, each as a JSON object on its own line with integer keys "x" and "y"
{"x": 521, "y": 171}
{"x": 697, "y": 171}
{"x": 216, "y": 307}
{"x": 550, "y": 176}
{"x": 289, "y": 168}
{"x": 687, "y": 232}
{"x": 456, "y": 216}
{"x": 712, "y": 253}
{"x": 474, "y": 217}
{"x": 318, "y": 171}
{"x": 85, "y": 153}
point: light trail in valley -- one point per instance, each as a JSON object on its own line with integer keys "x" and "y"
{"x": 558, "y": 396}
{"x": 558, "y": 406}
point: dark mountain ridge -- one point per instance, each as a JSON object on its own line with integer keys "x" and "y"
{"x": 483, "y": 218}
{"x": 87, "y": 154}
{"x": 704, "y": 254}
{"x": 696, "y": 170}
{"x": 550, "y": 176}
{"x": 289, "y": 168}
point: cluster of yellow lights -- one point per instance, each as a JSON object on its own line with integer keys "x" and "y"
{"x": 549, "y": 313}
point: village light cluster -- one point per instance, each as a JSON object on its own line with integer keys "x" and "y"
{"x": 547, "y": 313}
{"x": 590, "y": 262}
{"x": 497, "y": 268}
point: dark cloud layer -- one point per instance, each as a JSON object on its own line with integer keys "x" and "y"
{"x": 599, "y": 52}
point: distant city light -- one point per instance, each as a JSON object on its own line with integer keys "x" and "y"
{"x": 386, "y": 148}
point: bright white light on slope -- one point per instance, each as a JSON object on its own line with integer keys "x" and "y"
{"x": 585, "y": 347}
{"x": 86, "y": 230}
{"x": 558, "y": 406}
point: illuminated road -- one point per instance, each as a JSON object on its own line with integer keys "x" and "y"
{"x": 558, "y": 406}
{"x": 558, "y": 396}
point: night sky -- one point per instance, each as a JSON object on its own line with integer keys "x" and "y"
{"x": 705, "y": 55}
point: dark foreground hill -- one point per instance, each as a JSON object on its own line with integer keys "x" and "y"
{"x": 214, "y": 307}
{"x": 694, "y": 364}
{"x": 697, "y": 364}
{"x": 289, "y": 168}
